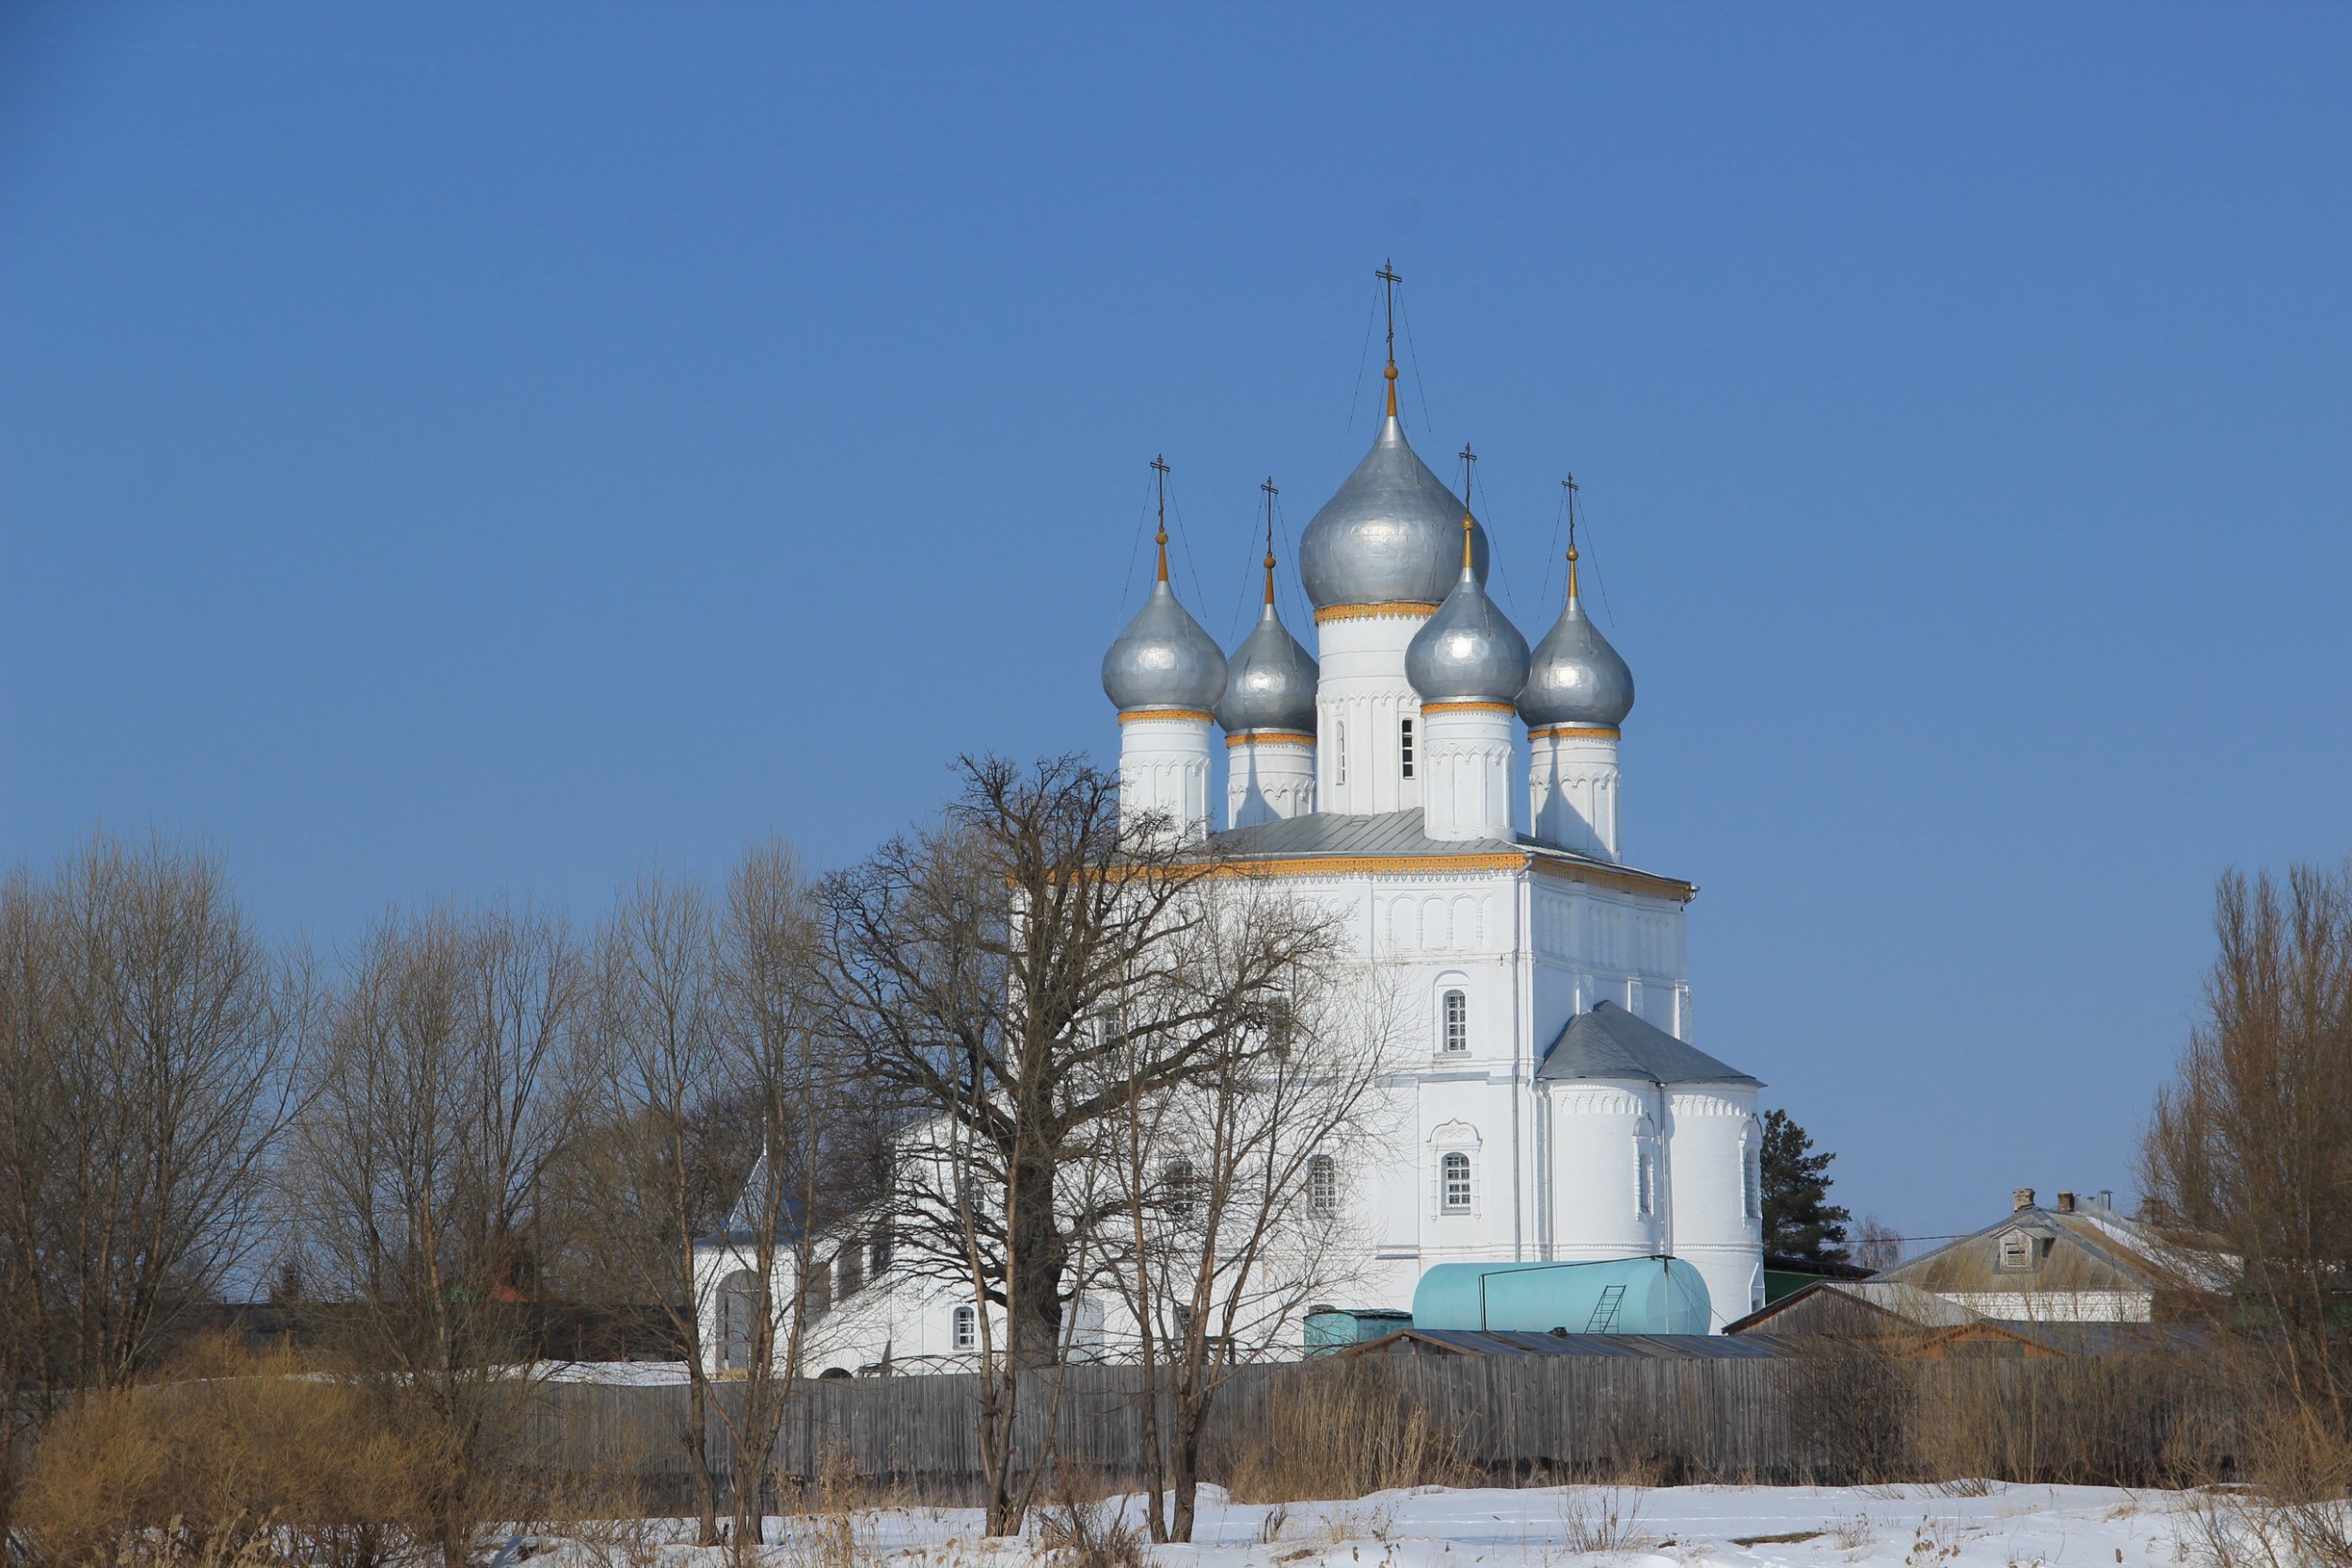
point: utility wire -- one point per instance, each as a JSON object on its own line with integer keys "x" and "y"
{"x": 1419, "y": 386}
{"x": 1127, "y": 584}
{"x": 1371, "y": 315}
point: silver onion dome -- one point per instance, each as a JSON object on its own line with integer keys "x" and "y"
{"x": 1391, "y": 535}
{"x": 1576, "y": 677}
{"x": 1270, "y": 680}
{"x": 1469, "y": 651}
{"x": 1163, "y": 659}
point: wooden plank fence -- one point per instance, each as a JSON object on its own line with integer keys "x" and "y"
{"x": 1513, "y": 1419}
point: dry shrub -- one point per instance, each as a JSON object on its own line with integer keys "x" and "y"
{"x": 234, "y": 1457}
{"x": 2093, "y": 1420}
{"x": 1084, "y": 1524}
{"x": 826, "y": 1527}
{"x": 1849, "y": 1407}
{"x": 2298, "y": 1510}
{"x": 1602, "y": 1519}
{"x": 1342, "y": 1429}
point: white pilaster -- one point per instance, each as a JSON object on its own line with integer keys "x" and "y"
{"x": 1467, "y": 757}
{"x": 1362, "y": 704}
{"x": 1164, "y": 768}
{"x": 1269, "y": 775}
{"x": 1572, "y": 788}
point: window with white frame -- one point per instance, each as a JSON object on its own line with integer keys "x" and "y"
{"x": 1405, "y": 745}
{"x": 1453, "y": 1022}
{"x": 1645, "y": 1178}
{"x": 1323, "y": 1185}
{"x": 1453, "y": 1182}
{"x": 1339, "y": 752}
{"x": 964, "y": 1328}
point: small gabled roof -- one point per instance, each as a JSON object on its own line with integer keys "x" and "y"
{"x": 1609, "y": 1042}
{"x": 1841, "y": 1303}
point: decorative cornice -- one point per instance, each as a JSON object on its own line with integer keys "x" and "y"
{"x": 1142, "y": 715}
{"x": 1360, "y": 865}
{"x": 1404, "y": 610}
{"x": 1614, "y": 878}
{"x": 1620, "y": 880}
{"x": 1466, "y": 707}
{"x": 1270, "y": 737}
{"x": 1574, "y": 732}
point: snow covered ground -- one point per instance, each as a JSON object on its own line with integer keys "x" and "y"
{"x": 1991, "y": 1526}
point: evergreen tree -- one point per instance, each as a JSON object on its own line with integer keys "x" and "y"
{"x": 1799, "y": 1221}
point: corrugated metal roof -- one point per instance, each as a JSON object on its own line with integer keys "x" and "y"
{"x": 1609, "y": 1042}
{"x": 1654, "y": 1347}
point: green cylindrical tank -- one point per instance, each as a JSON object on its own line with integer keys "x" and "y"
{"x": 1621, "y": 1296}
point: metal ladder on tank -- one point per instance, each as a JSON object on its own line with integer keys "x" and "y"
{"x": 1605, "y": 1311}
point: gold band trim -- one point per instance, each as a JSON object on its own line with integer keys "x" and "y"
{"x": 1405, "y": 610}
{"x": 1622, "y": 881}
{"x": 1574, "y": 732}
{"x": 1270, "y": 737}
{"x": 1362, "y": 866}
{"x": 1142, "y": 715}
{"x": 1468, "y": 707}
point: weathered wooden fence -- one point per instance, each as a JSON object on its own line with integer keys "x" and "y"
{"x": 1511, "y": 1418}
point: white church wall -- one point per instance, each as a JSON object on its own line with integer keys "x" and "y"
{"x": 1362, "y": 703}
{"x": 1601, "y": 1135}
{"x": 1714, "y": 1143}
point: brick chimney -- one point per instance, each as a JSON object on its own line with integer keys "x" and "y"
{"x": 2066, "y": 1203}
{"x": 2019, "y": 1199}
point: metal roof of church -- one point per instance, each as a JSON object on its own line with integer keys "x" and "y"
{"x": 1331, "y": 832}
{"x": 1609, "y": 1042}
{"x": 1400, "y": 835}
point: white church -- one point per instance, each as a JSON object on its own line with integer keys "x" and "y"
{"x": 1551, "y": 1107}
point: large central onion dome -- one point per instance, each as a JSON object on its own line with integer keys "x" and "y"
{"x": 1469, "y": 651}
{"x": 1164, "y": 660}
{"x": 1391, "y": 534}
{"x": 1577, "y": 677}
{"x": 1270, "y": 680}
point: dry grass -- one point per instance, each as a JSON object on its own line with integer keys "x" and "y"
{"x": 1864, "y": 1413}
{"x": 233, "y": 1458}
{"x": 1083, "y": 1524}
{"x": 1341, "y": 1430}
{"x": 1602, "y": 1519}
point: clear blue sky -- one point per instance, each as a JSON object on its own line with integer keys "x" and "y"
{"x": 487, "y": 449}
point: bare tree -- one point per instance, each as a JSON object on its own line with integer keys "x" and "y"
{"x": 2250, "y": 1146}
{"x": 435, "y": 1114}
{"x": 818, "y": 1141}
{"x": 1233, "y": 1181}
{"x": 1876, "y": 1246}
{"x": 145, "y": 1036}
{"x": 664, "y": 1151}
{"x": 973, "y": 968}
